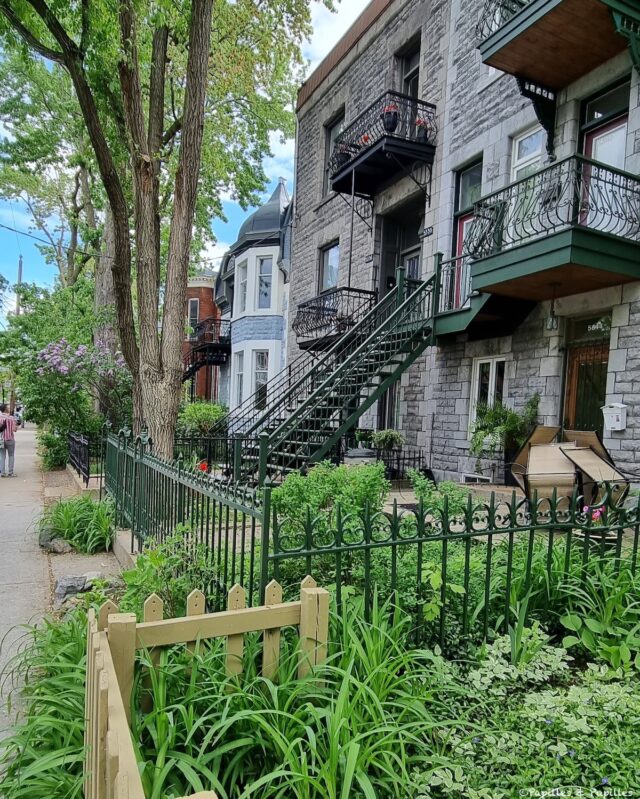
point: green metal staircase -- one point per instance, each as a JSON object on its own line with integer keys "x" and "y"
{"x": 308, "y": 419}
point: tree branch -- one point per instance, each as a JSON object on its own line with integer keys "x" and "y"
{"x": 30, "y": 38}
{"x": 156, "y": 89}
{"x": 171, "y": 131}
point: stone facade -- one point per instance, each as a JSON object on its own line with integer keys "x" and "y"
{"x": 480, "y": 112}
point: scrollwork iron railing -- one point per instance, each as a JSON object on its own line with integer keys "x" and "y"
{"x": 394, "y": 115}
{"x": 497, "y": 13}
{"x": 575, "y": 192}
{"x": 454, "y": 284}
{"x": 333, "y": 312}
{"x": 211, "y": 331}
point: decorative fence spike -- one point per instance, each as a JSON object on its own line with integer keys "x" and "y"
{"x": 153, "y": 609}
{"x": 195, "y": 607}
{"x": 271, "y": 640}
{"x": 106, "y": 609}
{"x": 236, "y": 600}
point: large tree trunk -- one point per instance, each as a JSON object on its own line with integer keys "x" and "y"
{"x": 104, "y": 293}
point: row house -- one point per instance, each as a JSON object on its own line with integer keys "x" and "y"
{"x": 486, "y": 154}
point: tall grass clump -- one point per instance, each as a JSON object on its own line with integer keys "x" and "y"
{"x": 43, "y": 755}
{"x": 357, "y": 727}
{"x": 87, "y": 525}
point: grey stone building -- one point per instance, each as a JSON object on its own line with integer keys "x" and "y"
{"x": 524, "y": 186}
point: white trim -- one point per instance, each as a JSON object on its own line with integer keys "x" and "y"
{"x": 537, "y": 159}
{"x": 191, "y": 331}
{"x": 475, "y": 374}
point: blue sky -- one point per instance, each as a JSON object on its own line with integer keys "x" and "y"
{"x": 327, "y": 29}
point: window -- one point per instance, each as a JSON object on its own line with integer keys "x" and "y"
{"x": 331, "y": 133}
{"x": 194, "y": 313}
{"x": 239, "y": 374}
{"x": 265, "y": 277}
{"x": 411, "y": 73}
{"x": 526, "y": 157}
{"x": 329, "y": 264}
{"x": 468, "y": 192}
{"x": 487, "y": 383}
{"x": 261, "y": 376}
{"x": 242, "y": 287}
{"x": 607, "y": 105}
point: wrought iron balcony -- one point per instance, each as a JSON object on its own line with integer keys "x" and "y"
{"x": 577, "y": 217}
{"x": 331, "y": 314}
{"x": 212, "y": 331}
{"x": 554, "y": 42}
{"x": 210, "y": 345}
{"x": 392, "y": 134}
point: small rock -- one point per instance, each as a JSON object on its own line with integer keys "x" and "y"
{"x": 59, "y": 547}
{"x": 66, "y": 587}
{"x": 45, "y": 537}
{"x": 110, "y": 581}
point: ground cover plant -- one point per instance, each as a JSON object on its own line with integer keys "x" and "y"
{"x": 87, "y": 525}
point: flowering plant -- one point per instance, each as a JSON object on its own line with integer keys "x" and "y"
{"x": 390, "y": 108}
{"x": 597, "y": 515}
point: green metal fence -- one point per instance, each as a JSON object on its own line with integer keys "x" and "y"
{"x": 467, "y": 573}
{"x": 464, "y": 572}
{"x": 156, "y": 498}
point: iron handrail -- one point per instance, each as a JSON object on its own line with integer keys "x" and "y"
{"x": 455, "y": 284}
{"x": 409, "y": 316}
{"x": 574, "y": 192}
{"x": 495, "y": 15}
{"x": 392, "y": 114}
{"x": 334, "y": 311}
{"x": 210, "y": 331}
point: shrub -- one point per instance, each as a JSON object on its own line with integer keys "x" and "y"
{"x": 198, "y": 418}
{"x": 53, "y": 449}
{"x": 172, "y": 570}
{"x": 433, "y": 497}
{"x": 387, "y": 440}
{"x": 87, "y": 525}
{"x": 497, "y": 426}
{"x": 316, "y": 496}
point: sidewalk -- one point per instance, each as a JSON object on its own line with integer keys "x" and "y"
{"x": 24, "y": 571}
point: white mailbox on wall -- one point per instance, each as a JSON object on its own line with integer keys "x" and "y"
{"x": 615, "y": 416}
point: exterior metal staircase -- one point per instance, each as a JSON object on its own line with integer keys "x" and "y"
{"x": 308, "y": 419}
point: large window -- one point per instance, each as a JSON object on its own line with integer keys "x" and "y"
{"x": 265, "y": 278}
{"x": 194, "y": 312}
{"x": 411, "y": 72}
{"x": 329, "y": 264}
{"x": 526, "y": 157}
{"x": 331, "y": 133}
{"x": 239, "y": 377}
{"x": 468, "y": 192}
{"x": 261, "y": 376}
{"x": 487, "y": 383}
{"x": 242, "y": 287}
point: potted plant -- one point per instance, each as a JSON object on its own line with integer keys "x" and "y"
{"x": 363, "y": 437}
{"x": 389, "y": 117}
{"x": 497, "y": 427}
{"x": 423, "y": 129}
{"x": 387, "y": 440}
{"x": 365, "y": 140}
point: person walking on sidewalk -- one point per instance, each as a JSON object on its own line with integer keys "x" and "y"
{"x": 7, "y": 442}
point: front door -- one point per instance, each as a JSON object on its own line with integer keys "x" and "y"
{"x": 586, "y": 386}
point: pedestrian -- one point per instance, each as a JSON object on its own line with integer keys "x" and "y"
{"x": 7, "y": 442}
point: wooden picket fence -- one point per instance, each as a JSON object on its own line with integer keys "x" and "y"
{"x": 110, "y": 769}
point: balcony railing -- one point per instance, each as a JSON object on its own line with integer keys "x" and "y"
{"x": 333, "y": 312}
{"x": 211, "y": 331}
{"x": 454, "y": 284}
{"x": 497, "y": 13}
{"x": 392, "y": 115}
{"x": 575, "y": 192}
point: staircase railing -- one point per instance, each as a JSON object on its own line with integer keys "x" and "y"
{"x": 398, "y": 323}
{"x": 331, "y": 313}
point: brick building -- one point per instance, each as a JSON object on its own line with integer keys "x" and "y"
{"x": 496, "y": 140}
{"x": 206, "y": 347}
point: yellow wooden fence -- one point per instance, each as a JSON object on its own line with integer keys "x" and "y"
{"x": 111, "y": 770}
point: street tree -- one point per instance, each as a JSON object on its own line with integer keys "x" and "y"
{"x": 178, "y": 98}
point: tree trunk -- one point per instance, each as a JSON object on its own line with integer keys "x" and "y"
{"x": 104, "y": 294}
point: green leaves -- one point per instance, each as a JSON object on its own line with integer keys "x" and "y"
{"x": 87, "y": 525}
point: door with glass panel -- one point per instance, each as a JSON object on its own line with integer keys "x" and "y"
{"x": 527, "y": 200}
{"x": 609, "y": 201}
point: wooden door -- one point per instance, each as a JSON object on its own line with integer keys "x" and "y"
{"x": 586, "y": 386}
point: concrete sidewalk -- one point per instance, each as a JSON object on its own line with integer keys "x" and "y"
{"x": 24, "y": 569}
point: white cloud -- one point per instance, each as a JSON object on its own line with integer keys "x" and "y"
{"x": 213, "y": 252}
{"x": 280, "y": 164}
{"x": 329, "y": 28}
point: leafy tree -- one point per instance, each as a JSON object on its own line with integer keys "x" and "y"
{"x": 178, "y": 99}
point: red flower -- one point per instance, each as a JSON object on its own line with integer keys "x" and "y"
{"x": 202, "y": 466}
